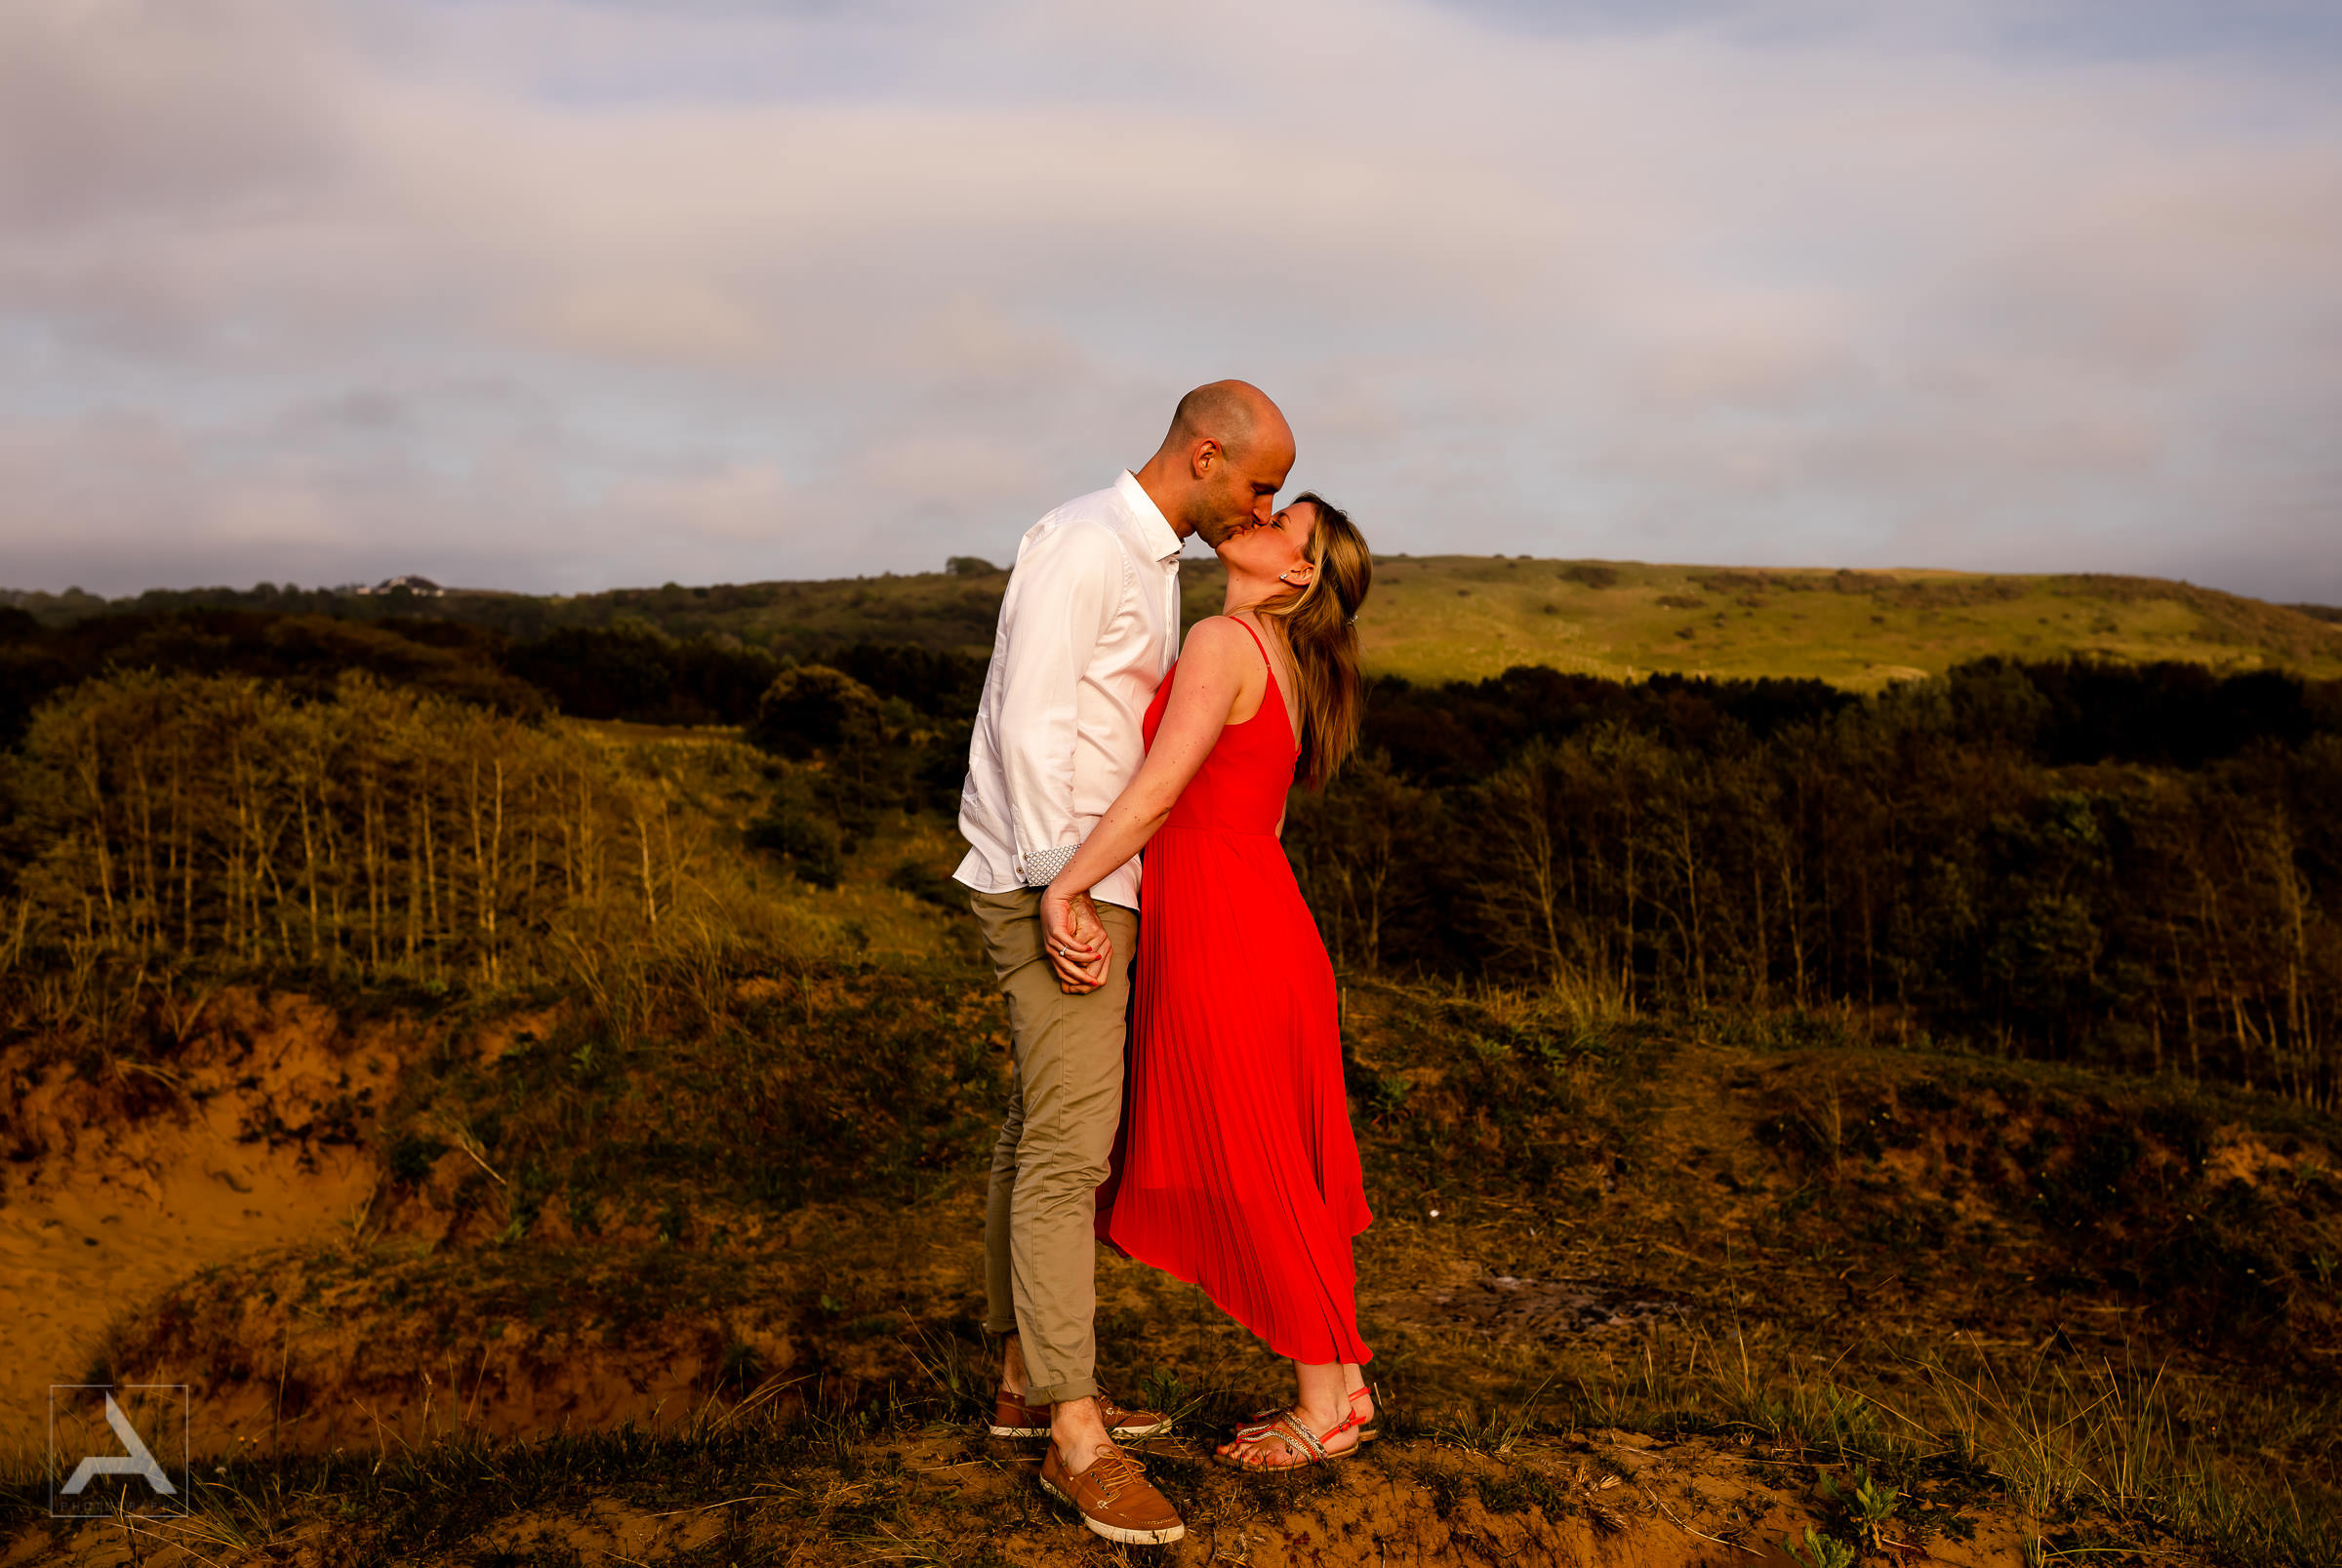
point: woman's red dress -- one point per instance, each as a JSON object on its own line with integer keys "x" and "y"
{"x": 1236, "y": 1167}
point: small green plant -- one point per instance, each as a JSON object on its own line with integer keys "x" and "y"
{"x": 1850, "y": 1420}
{"x": 1868, "y": 1508}
{"x": 1162, "y": 1390}
{"x": 1819, "y": 1550}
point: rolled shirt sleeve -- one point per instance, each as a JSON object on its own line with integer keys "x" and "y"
{"x": 1070, "y": 580}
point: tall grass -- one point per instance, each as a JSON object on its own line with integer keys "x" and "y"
{"x": 383, "y": 835}
{"x": 383, "y": 846}
{"x": 2090, "y": 1455}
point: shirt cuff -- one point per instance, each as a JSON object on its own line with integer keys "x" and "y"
{"x": 1042, "y": 865}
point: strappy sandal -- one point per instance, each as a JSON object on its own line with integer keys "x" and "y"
{"x": 1299, "y": 1440}
{"x": 1256, "y": 1425}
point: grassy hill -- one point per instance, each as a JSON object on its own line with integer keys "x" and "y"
{"x": 538, "y": 1163}
{"x": 1460, "y": 616}
{"x": 1450, "y": 617}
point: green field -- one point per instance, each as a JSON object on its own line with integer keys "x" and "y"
{"x": 1456, "y": 617}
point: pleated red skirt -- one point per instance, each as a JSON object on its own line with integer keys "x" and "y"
{"x": 1236, "y": 1168}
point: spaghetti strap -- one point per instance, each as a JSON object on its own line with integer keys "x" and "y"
{"x": 1276, "y": 689}
{"x": 1256, "y": 643}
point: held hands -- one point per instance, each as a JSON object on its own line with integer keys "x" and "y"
{"x": 1075, "y": 939}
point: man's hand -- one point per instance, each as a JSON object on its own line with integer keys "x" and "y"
{"x": 1075, "y": 941}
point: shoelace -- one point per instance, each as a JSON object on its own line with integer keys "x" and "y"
{"x": 1114, "y": 1468}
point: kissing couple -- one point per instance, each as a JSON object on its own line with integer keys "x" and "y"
{"x": 1194, "y": 1119}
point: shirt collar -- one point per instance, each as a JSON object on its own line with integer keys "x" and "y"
{"x": 1154, "y": 531}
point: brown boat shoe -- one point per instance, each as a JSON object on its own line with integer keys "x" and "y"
{"x": 1115, "y": 1499}
{"x": 1012, "y": 1417}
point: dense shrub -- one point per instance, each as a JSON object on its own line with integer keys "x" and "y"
{"x": 632, "y": 670}
{"x": 2133, "y": 866}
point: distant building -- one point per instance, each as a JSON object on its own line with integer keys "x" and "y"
{"x": 423, "y": 588}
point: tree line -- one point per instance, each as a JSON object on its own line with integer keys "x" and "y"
{"x": 627, "y": 669}
{"x": 799, "y": 620}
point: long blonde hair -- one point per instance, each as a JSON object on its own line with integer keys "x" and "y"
{"x": 1317, "y": 626}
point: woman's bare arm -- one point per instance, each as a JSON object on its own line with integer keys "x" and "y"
{"x": 1214, "y": 667}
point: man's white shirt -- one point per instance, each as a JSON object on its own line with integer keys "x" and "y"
{"x": 1088, "y": 627}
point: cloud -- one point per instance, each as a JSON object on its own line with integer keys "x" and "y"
{"x": 746, "y": 500}
{"x": 187, "y": 110}
{"x": 563, "y": 294}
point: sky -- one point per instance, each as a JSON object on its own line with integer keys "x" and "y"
{"x": 565, "y": 294}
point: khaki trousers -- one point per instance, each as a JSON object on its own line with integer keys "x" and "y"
{"x": 1065, "y": 1104}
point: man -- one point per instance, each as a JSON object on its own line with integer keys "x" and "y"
{"x": 1088, "y": 627}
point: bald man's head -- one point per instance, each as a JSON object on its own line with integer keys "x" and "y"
{"x": 1222, "y": 461}
{"x": 1228, "y": 412}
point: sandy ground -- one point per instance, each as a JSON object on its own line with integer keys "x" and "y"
{"x": 190, "y": 1239}
{"x": 255, "y": 1157}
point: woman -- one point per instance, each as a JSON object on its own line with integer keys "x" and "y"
{"x": 1236, "y": 1167}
